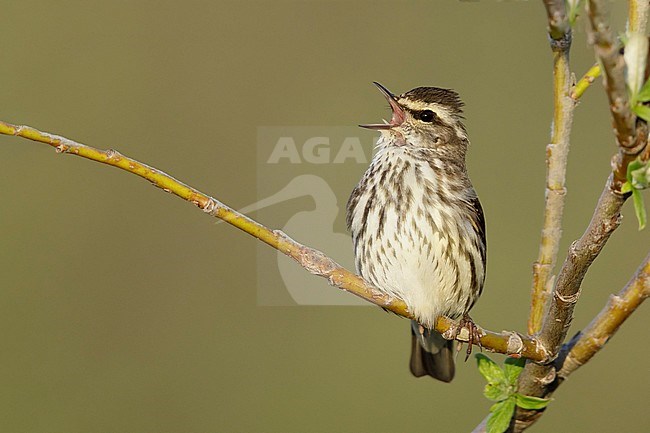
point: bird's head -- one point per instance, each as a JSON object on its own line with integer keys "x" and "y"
{"x": 425, "y": 117}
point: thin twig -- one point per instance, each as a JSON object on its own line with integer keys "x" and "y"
{"x": 587, "y": 79}
{"x": 608, "y": 53}
{"x": 314, "y": 261}
{"x": 482, "y": 427}
{"x": 619, "y": 307}
{"x": 557, "y": 152}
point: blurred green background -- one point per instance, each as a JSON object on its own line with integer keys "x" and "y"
{"x": 127, "y": 310}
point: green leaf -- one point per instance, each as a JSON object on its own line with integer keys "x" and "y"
{"x": 633, "y": 166}
{"x": 490, "y": 370}
{"x": 642, "y": 111}
{"x": 637, "y": 179}
{"x": 500, "y": 415}
{"x": 530, "y": 402}
{"x": 627, "y": 187}
{"x": 638, "y": 174}
{"x": 639, "y": 208}
{"x": 497, "y": 391}
{"x": 644, "y": 93}
{"x": 513, "y": 368}
{"x": 574, "y": 9}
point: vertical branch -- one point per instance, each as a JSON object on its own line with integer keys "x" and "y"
{"x": 556, "y": 161}
{"x": 607, "y": 51}
{"x": 558, "y": 21}
{"x": 632, "y": 145}
{"x": 631, "y": 136}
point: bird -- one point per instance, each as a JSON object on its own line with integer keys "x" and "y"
{"x": 417, "y": 225}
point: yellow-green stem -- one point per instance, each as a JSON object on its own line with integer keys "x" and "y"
{"x": 587, "y": 79}
{"x": 556, "y": 161}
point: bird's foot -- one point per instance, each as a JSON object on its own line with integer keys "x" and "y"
{"x": 474, "y": 334}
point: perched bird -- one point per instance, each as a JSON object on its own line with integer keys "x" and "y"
{"x": 416, "y": 221}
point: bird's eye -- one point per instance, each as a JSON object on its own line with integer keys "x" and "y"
{"x": 427, "y": 116}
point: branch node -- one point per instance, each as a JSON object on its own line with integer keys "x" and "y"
{"x": 567, "y": 299}
{"x": 463, "y": 334}
{"x": 211, "y": 205}
{"x": 541, "y": 348}
{"x": 61, "y": 144}
{"x": 548, "y": 379}
{"x": 452, "y": 332}
{"x": 113, "y": 155}
{"x": 561, "y": 44}
{"x": 315, "y": 261}
{"x": 515, "y": 344}
{"x": 616, "y": 302}
{"x": 554, "y": 189}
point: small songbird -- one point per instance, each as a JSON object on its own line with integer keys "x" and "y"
{"x": 417, "y": 224}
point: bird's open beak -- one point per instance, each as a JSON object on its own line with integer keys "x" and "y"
{"x": 398, "y": 112}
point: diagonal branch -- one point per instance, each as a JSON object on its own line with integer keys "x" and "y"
{"x": 312, "y": 260}
{"x": 590, "y": 340}
{"x": 537, "y": 379}
{"x": 557, "y": 152}
{"x": 594, "y": 337}
{"x": 581, "y": 255}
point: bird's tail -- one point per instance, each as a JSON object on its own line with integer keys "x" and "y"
{"x": 431, "y": 354}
